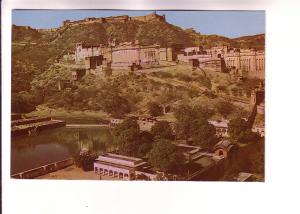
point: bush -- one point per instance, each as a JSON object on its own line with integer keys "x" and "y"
{"x": 224, "y": 108}
{"x": 154, "y": 109}
{"x": 86, "y": 160}
{"x": 163, "y": 74}
{"x": 221, "y": 88}
{"x": 162, "y": 130}
{"x": 107, "y": 71}
{"x": 183, "y": 77}
{"x": 209, "y": 94}
{"x": 25, "y": 102}
{"x": 204, "y": 81}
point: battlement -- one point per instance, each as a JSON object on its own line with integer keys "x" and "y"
{"x": 113, "y": 19}
{"x": 150, "y": 17}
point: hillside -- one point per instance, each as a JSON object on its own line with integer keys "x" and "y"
{"x": 34, "y": 51}
{"x": 151, "y": 32}
{"x": 42, "y": 47}
{"x": 25, "y": 34}
{"x": 256, "y": 41}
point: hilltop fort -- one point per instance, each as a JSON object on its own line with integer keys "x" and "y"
{"x": 112, "y": 19}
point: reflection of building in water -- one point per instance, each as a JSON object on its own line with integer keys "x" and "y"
{"x": 83, "y": 140}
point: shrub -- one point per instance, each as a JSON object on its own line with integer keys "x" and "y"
{"x": 183, "y": 77}
{"x": 163, "y": 74}
{"x": 224, "y": 108}
{"x": 86, "y": 160}
{"x": 162, "y": 130}
{"x": 154, "y": 109}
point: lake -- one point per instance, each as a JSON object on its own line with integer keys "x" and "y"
{"x": 55, "y": 145}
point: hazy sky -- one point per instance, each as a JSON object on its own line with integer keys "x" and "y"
{"x": 227, "y": 23}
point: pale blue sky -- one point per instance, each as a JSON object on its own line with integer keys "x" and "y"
{"x": 226, "y": 23}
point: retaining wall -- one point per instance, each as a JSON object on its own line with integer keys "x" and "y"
{"x": 29, "y": 120}
{"x": 17, "y": 131}
{"x": 39, "y": 171}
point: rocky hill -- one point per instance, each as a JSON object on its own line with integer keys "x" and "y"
{"x": 150, "y": 32}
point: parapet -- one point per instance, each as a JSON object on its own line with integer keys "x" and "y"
{"x": 113, "y": 19}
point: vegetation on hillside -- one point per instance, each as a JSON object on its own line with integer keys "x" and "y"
{"x": 35, "y": 51}
{"x": 25, "y": 34}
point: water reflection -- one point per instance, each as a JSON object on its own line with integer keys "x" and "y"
{"x": 55, "y": 145}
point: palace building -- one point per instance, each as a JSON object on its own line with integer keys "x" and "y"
{"x": 247, "y": 61}
{"x": 133, "y": 55}
{"x": 251, "y": 61}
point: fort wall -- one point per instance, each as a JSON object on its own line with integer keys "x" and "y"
{"x": 114, "y": 19}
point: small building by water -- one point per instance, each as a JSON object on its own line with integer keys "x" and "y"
{"x": 119, "y": 166}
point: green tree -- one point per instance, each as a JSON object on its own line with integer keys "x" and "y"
{"x": 186, "y": 114}
{"x": 162, "y": 130}
{"x": 224, "y": 108}
{"x": 203, "y": 133}
{"x": 112, "y": 101}
{"x": 248, "y": 136}
{"x": 236, "y": 127}
{"x": 126, "y": 136}
{"x": 165, "y": 157}
{"x": 25, "y": 102}
{"x": 192, "y": 123}
{"x": 86, "y": 160}
{"x": 145, "y": 144}
{"x": 239, "y": 131}
{"x": 130, "y": 141}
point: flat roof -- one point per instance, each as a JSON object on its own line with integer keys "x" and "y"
{"x": 118, "y": 165}
{"x": 121, "y": 157}
{"x": 114, "y": 165}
